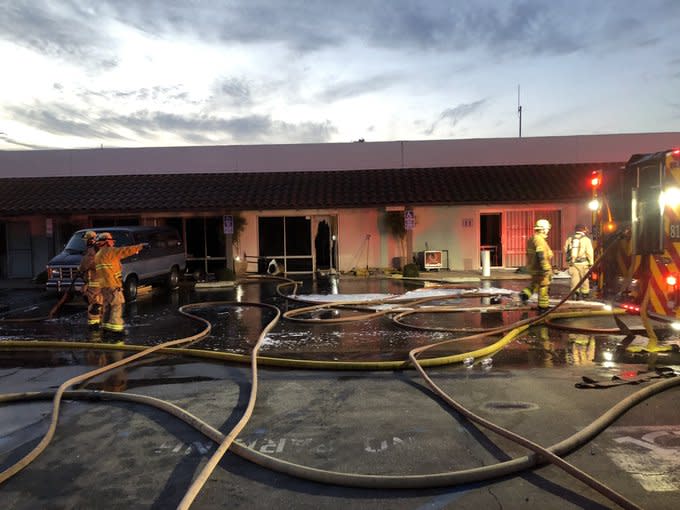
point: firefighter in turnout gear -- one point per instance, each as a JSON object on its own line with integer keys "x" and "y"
{"x": 539, "y": 265}
{"x": 91, "y": 289}
{"x": 579, "y": 253}
{"x": 110, "y": 278}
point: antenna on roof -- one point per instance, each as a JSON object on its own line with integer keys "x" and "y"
{"x": 519, "y": 112}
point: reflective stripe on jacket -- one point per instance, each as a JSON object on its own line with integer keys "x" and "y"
{"x": 107, "y": 262}
{"x": 539, "y": 254}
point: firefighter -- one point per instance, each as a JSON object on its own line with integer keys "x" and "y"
{"x": 579, "y": 253}
{"x": 539, "y": 266}
{"x": 91, "y": 289}
{"x": 110, "y": 278}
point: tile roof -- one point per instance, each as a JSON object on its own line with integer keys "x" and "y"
{"x": 296, "y": 190}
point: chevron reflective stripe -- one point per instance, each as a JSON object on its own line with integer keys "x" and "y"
{"x": 104, "y": 266}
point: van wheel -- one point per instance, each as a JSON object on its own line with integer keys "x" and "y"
{"x": 173, "y": 278}
{"x": 130, "y": 288}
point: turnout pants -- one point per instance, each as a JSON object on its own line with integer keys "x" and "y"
{"x": 540, "y": 283}
{"x": 94, "y": 305}
{"x": 576, "y": 271}
{"x": 112, "y": 313}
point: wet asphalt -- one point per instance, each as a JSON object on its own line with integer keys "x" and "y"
{"x": 122, "y": 455}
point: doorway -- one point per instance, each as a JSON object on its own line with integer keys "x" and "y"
{"x": 19, "y": 251}
{"x": 325, "y": 247}
{"x": 490, "y": 228}
{"x": 205, "y": 245}
{"x": 285, "y": 244}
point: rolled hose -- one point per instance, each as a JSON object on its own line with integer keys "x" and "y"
{"x": 369, "y": 481}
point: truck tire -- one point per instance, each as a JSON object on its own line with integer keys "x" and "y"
{"x": 130, "y": 288}
{"x": 173, "y": 278}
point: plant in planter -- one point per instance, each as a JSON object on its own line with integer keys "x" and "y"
{"x": 394, "y": 224}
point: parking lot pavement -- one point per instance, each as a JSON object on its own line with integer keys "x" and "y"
{"x": 121, "y": 455}
{"x": 387, "y": 423}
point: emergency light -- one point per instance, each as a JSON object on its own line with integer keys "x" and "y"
{"x": 596, "y": 179}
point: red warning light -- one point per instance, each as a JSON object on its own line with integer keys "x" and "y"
{"x": 596, "y": 179}
{"x": 671, "y": 280}
{"x": 631, "y": 308}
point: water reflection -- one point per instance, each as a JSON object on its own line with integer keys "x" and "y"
{"x": 154, "y": 318}
{"x": 115, "y": 380}
{"x": 582, "y": 349}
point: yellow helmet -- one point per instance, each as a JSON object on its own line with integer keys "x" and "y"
{"x": 542, "y": 225}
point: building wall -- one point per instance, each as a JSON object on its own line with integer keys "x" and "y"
{"x": 334, "y": 156}
{"x": 361, "y": 236}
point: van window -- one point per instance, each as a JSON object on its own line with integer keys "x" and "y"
{"x": 122, "y": 238}
{"x": 76, "y": 244}
{"x": 158, "y": 240}
{"x": 141, "y": 238}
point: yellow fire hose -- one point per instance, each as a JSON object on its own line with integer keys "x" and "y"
{"x": 515, "y": 329}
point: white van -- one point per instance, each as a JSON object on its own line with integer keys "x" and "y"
{"x": 163, "y": 260}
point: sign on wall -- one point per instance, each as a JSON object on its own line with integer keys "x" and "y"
{"x": 409, "y": 219}
{"x": 228, "y": 222}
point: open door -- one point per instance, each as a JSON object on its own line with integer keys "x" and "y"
{"x": 490, "y": 236}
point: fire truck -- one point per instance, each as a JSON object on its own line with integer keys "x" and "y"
{"x": 636, "y": 232}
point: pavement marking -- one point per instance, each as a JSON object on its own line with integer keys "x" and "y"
{"x": 185, "y": 449}
{"x": 317, "y": 446}
{"x": 649, "y": 454}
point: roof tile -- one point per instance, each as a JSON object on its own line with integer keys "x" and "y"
{"x": 298, "y": 190}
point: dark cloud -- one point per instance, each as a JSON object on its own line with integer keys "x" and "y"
{"x": 451, "y": 117}
{"x": 62, "y": 120}
{"x": 76, "y": 32}
{"x": 73, "y": 31}
{"x": 162, "y": 94}
{"x": 505, "y": 28}
{"x": 485, "y": 32}
{"x": 244, "y": 129}
{"x": 64, "y": 31}
{"x": 349, "y": 89}
{"x": 100, "y": 126}
{"x": 234, "y": 91}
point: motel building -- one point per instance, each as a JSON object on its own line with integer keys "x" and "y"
{"x": 314, "y": 207}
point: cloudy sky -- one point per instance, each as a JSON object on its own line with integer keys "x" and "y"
{"x": 130, "y": 73}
